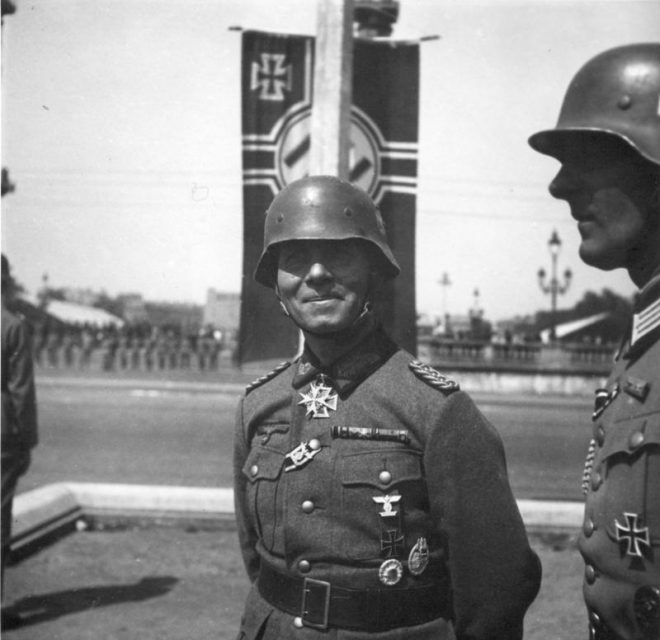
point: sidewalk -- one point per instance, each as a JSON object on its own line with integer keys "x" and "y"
{"x": 161, "y": 583}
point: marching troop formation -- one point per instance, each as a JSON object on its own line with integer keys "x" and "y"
{"x": 141, "y": 347}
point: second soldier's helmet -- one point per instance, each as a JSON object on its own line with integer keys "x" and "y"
{"x": 322, "y": 208}
{"x": 617, "y": 93}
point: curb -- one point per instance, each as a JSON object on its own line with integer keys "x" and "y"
{"x": 42, "y": 515}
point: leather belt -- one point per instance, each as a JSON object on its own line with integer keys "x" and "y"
{"x": 320, "y": 604}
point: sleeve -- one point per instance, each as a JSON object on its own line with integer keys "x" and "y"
{"x": 247, "y": 535}
{"x": 495, "y": 574}
{"x": 20, "y": 384}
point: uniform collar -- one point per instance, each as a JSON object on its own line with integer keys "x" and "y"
{"x": 646, "y": 318}
{"x": 346, "y": 373}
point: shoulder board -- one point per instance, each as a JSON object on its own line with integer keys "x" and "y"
{"x": 433, "y": 378}
{"x": 269, "y": 376}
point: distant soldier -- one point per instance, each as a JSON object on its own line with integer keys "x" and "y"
{"x": 68, "y": 346}
{"x": 19, "y": 414}
{"x": 110, "y": 345}
{"x": 203, "y": 348}
{"x": 135, "y": 348}
{"x": 608, "y": 141}
{"x": 123, "y": 345}
{"x": 86, "y": 347}
{"x": 53, "y": 343}
{"x": 150, "y": 347}
{"x": 372, "y": 496}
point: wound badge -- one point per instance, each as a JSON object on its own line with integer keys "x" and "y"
{"x": 319, "y": 399}
{"x": 418, "y": 559}
{"x": 390, "y": 572}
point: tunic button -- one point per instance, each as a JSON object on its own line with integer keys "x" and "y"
{"x": 595, "y": 618}
{"x": 590, "y": 574}
{"x": 588, "y": 527}
{"x": 254, "y": 470}
{"x": 304, "y": 566}
{"x": 596, "y": 480}
{"x": 385, "y": 477}
{"x": 308, "y": 506}
{"x": 297, "y": 622}
{"x": 636, "y": 440}
{"x": 600, "y": 435}
{"x": 314, "y": 444}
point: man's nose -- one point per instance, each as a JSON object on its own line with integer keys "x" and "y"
{"x": 564, "y": 184}
{"x": 318, "y": 271}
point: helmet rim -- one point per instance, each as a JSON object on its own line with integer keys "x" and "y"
{"x": 322, "y": 208}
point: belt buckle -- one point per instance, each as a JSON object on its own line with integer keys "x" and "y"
{"x": 315, "y": 608}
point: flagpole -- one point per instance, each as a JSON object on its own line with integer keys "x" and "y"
{"x": 333, "y": 77}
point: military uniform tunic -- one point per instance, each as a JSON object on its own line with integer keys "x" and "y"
{"x": 400, "y": 493}
{"x": 620, "y": 540}
{"x": 19, "y": 414}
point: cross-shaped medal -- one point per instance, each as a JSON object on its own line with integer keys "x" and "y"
{"x": 319, "y": 399}
{"x": 391, "y": 542}
{"x": 633, "y": 534}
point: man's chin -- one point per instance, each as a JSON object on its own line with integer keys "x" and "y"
{"x": 595, "y": 257}
{"x": 324, "y": 329}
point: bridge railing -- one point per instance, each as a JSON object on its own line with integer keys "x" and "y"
{"x": 535, "y": 356}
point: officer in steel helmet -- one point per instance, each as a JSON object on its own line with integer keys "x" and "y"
{"x": 608, "y": 141}
{"x": 371, "y": 494}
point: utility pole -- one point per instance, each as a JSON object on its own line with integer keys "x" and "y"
{"x": 333, "y": 75}
{"x": 333, "y": 79}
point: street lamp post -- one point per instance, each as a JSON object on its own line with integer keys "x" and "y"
{"x": 554, "y": 288}
{"x": 444, "y": 282}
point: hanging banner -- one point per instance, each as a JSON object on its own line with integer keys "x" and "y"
{"x": 277, "y": 79}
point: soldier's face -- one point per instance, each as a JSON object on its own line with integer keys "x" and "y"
{"x": 609, "y": 190}
{"x": 323, "y": 283}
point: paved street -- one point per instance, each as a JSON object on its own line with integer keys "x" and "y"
{"x": 150, "y": 431}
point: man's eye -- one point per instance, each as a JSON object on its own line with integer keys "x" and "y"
{"x": 292, "y": 261}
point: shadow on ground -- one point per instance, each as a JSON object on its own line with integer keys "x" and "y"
{"x": 49, "y": 606}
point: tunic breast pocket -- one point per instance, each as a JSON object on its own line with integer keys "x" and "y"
{"x": 263, "y": 468}
{"x": 631, "y": 460}
{"x": 380, "y": 489}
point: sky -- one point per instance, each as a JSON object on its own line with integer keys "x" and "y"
{"x": 121, "y": 131}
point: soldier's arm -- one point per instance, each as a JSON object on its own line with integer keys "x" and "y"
{"x": 247, "y": 536}
{"x": 21, "y": 385}
{"x": 495, "y": 575}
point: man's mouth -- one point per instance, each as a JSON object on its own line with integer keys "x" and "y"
{"x": 325, "y": 298}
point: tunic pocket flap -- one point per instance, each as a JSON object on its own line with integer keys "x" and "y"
{"x": 263, "y": 464}
{"x": 381, "y": 468}
{"x": 633, "y": 436}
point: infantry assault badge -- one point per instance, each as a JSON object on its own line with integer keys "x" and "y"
{"x": 301, "y": 455}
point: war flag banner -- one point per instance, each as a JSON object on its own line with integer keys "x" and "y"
{"x": 277, "y": 80}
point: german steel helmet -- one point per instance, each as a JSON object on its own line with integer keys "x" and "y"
{"x": 321, "y": 208}
{"x": 615, "y": 93}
